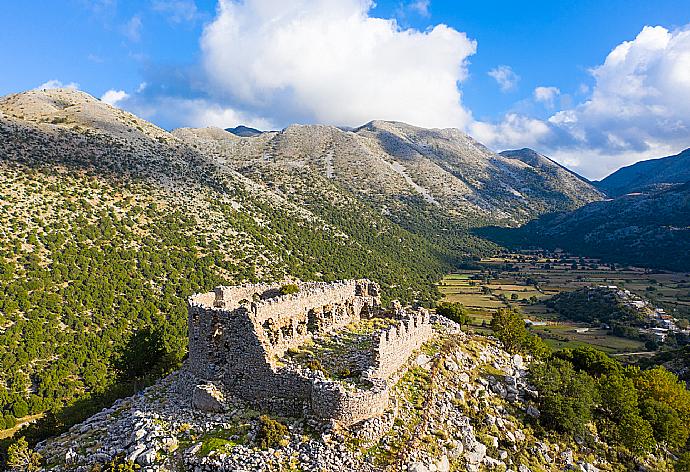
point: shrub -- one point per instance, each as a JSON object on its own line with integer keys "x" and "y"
{"x": 288, "y": 289}
{"x": 271, "y": 433}
{"x": 22, "y": 458}
{"x": 454, "y": 311}
{"x": 509, "y": 327}
{"x": 345, "y": 373}
{"x": 566, "y": 397}
{"x": 314, "y": 364}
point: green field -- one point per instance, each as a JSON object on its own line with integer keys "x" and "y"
{"x": 525, "y": 281}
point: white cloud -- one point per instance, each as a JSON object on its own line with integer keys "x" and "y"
{"x": 506, "y": 78}
{"x": 113, "y": 97}
{"x": 54, "y": 83}
{"x": 132, "y": 29}
{"x": 515, "y": 128}
{"x": 546, "y": 95}
{"x": 177, "y": 11}
{"x": 328, "y": 61}
{"x": 639, "y": 108}
{"x": 421, "y": 7}
{"x": 192, "y": 112}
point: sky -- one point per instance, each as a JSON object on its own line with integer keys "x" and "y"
{"x": 594, "y": 84}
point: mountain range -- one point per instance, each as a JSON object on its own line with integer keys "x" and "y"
{"x": 648, "y": 175}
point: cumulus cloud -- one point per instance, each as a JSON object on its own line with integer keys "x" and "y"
{"x": 506, "y": 78}
{"x": 639, "y": 108}
{"x": 328, "y": 61}
{"x": 546, "y": 95}
{"x": 54, "y": 83}
{"x": 196, "y": 112}
{"x": 113, "y": 97}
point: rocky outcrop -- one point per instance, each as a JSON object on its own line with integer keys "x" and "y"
{"x": 460, "y": 405}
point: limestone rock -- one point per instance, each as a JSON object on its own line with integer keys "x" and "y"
{"x": 208, "y": 398}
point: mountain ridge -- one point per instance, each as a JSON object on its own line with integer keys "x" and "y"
{"x": 648, "y": 174}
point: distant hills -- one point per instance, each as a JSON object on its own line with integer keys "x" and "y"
{"x": 244, "y": 131}
{"x": 648, "y": 230}
{"x": 648, "y": 175}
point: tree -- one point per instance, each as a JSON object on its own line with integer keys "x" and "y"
{"x": 271, "y": 433}
{"x": 21, "y": 458}
{"x": 454, "y": 311}
{"x": 591, "y": 360}
{"x": 509, "y": 326}
{"x": 566, "y": 396}
{"x": 288, "y": 289}
{"x": 142, "y": 354}
{"x": 20, "y": 409}
{"x": 619, "y": 408}
{"x": 666, "y": 423}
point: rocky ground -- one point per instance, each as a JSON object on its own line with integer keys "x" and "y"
{"x": 463, "y": 404}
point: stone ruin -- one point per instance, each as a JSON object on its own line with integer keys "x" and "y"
{"x": 241, "y": 339}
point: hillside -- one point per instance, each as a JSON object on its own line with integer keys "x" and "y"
{"x": 110, "y": 222}
{"x": 648, "y": 175}
{"x": 422, "y": 178}
{"x": 551, "y": 169}
{"x": 649, "y": 230}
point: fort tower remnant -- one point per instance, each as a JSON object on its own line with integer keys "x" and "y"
{"x": 329, "y": 350}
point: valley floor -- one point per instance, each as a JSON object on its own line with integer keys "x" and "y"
{"x": 528, "y": 280}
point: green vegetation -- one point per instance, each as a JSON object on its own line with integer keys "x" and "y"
{"x": 117, "y": 464}
{"x": 95, "y": 270}
{"x": 21, "y": 458}
{"x": 271, "y": 433}
{"x": 634, "y": 409}
{"x": 649, "y": 230}
{"x": 288, "y": 289}
{"x": 597, "y": 306}
{"x": 509, "y": 327}
{"x": 454, "y": 311}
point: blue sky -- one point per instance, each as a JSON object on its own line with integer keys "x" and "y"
{"x": 188, "y": 63}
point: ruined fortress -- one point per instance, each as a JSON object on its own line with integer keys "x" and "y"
{"x": 267, "y": 347}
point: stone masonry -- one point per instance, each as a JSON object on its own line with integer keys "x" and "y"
{"x": 237, "y": 336}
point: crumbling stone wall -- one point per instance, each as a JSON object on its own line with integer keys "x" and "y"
{"x": 392, "y": 347}
{"x": 237, "y": 335}
{"x": 330, "y": 400}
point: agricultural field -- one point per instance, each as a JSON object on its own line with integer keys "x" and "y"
{"x": 526, "y": 280}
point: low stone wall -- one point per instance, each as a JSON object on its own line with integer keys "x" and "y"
{"x": 331, "y": 400}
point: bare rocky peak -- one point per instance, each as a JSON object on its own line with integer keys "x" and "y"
{"x": 75, "y": 110}
{"x": 385, "y": 160}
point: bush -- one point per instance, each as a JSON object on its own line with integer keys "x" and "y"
{"x": 509, "y": 327}
{"x": 271, "y": 433}
{"x": 566, "y": 396}
{"x": 454, "y": 311}
{"x": 314, "y": 364}
{"x": 20, "y": 409}
{"x": 21, "y": 458}
{"x": 288, "y": 289}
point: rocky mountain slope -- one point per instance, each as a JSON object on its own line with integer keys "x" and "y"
{"x": 648, "y": 175}
{"x": 402, "y": 170}
{"x": 550, "y": 168}
{"x": 464, "y": 404}
{"x": 109, "y": 223}
{"x": 650, "y": 230}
